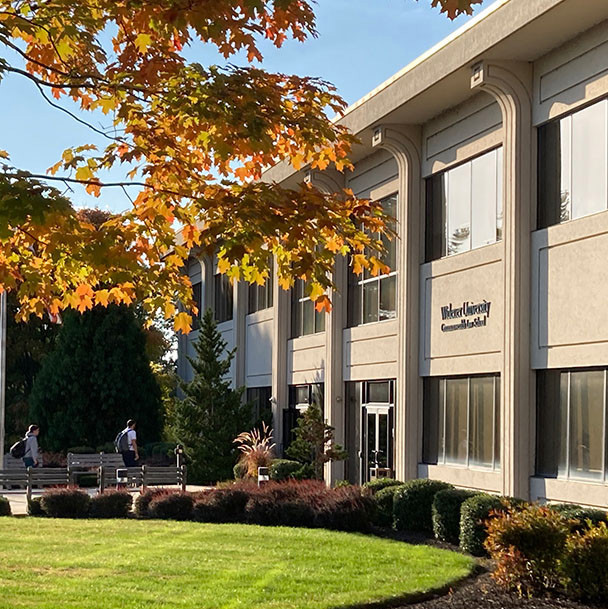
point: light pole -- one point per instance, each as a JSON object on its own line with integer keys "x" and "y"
{"x": 2, "y": 372}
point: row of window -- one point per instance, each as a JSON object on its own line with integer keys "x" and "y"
{"x": 464, "y": 211}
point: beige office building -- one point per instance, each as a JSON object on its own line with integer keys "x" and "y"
{"x": 482, "y": 358}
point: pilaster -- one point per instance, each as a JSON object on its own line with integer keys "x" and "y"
{"x": 404, "y": 143}
{"x": 511, "y": 85}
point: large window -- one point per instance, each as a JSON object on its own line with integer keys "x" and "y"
{"x": 464, "y": 206}
{"x": 305, "y": 319}
{"x": 462, "y": 421}
{"x": 572, "y": 166}
{"x": 301, "y": 397}
{"x": 260, "y": 296}
{"x": 372, "y": 298}
{"x": 571, "y": 424}
{"x": 222, "y": 297}
{"x": 259, "y": 398}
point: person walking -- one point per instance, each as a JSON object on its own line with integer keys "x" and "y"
{"x": 126, "y": 444}
{"x": 30, "y": 457}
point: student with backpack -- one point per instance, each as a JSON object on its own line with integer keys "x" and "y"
{"x": 126, "y": 444}
{"x": 27, "y": 448}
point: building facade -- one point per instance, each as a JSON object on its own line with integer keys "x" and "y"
{"x": 481, "y": 359}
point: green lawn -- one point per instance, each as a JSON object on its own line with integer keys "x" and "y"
{"x": 113, "y": 564}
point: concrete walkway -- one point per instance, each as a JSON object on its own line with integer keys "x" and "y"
{"x": 18, "y": 498}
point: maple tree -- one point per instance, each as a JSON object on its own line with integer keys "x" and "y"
{"x": 194, "y": 141}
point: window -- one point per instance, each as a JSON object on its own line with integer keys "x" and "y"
{"x": 260, "y": 296}
{"x": 572, "y": 166}
{"x": 372, "y": 298}
{"x": 259, "y": 398}
{"x": 197, "y": 295}
{"x": 462, "y": 421}
{"x": 571, "y": 423}
{"x": 223, "y": 297}
{"x": 305, "y": 319}
{"x": 464, "y": 206}
{"x": 300, "y": 398}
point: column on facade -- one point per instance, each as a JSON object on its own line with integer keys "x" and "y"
{"x": 511, "y": 85}
{"x": 404, "y": 143}
{"x": 239, "y": 314}
{"x": 330, "y": 182}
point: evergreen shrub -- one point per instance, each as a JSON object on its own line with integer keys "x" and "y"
{"x": 142, "y": 503}
{"x": 384, "y": 499}
{"x": 175, "y": 506}
{"x": 474, "y": 513}
{"x": 580, "y": 516}
{"x": 65, "y": 503}
{"x": 111, "y": 504}
{"x": 5, "y": 507}
{"x": 34, "y": 507}
{"x": 373, "y": 486}
{"x": 446, "y": 513}
{"x": 284, "y": 469}
{"x": 413, "y": 505}
{"x": 221, "y": 505}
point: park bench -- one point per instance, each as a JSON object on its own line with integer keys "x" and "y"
{"x": 33, "y": 477}
{"x": 91, "y": 462}
{"x": 144, "y": 476}
{"x": 12, "y": 463}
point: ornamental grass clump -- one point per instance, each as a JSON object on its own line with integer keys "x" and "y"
{"x": 527, "y": 545}
{"x": 65, "y": 503}
{"x": 257, "y": 449}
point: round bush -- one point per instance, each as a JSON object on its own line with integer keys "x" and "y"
{"x": 413, "y": 505}
{"x": 384, "y": 499}
{"x": 240, "y": 471}
{"x": 283, "y": 469}
{"x": 65, "y": 503}
{"x": 374, "y": 486}
{"x": 5, "y": 507}
{"x": 221, "y": 505}
{"x": 111, "y": 504}
{"x": 474, "y": 513}
{"x": 579, "y": 516}
{"x": 176, "y": 506}
{"x": 446, "y": 513}
{"x": 585, "y": 565}
{"x": 34, "y": 507}
{"x": 142, "y": 503}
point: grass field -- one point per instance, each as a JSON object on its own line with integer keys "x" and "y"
{"x": 113, "y": 564}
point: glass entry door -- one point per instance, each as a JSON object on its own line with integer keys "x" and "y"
{"x": 377, "y": 442}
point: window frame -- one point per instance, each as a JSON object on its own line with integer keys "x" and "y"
{"x": 357, "y": 283}
{"x": 438, "y": 443}
{"x": 260, "y": 297}
{"x": 298, "y": 302}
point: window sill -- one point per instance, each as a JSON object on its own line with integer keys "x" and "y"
{"x": 587, "y": 492}
{"x": 463, "y": 476}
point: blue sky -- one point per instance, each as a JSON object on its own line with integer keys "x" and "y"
{"x": 361, "y": 43}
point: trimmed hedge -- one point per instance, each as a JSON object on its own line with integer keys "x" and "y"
{"x": 5, "y": 507}
{"x": 413, "y": 504}
{"x": 142, "y": 503}
{"x": 384, "y": 499}
{"x": 474, "y": 513}
{"x": 284, "y": 469}
{"x": 175, "y": 506}
{"x": 580, "y": 515}
{"x": 65, "y": 503}
{"x": 111, "y": 504}
{"x": 221, "y": 505}
{"x": 374, "y": 486}
{"x": 446, "y": 513}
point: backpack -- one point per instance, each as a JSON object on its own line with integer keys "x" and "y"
{"x": 121, "y": 443}
{"x": 17, "y": 450}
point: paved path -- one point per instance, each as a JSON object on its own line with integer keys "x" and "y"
{"x": 19, "y": 501}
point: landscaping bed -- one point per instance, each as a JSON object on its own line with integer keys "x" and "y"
{"x": 130, "y": 564}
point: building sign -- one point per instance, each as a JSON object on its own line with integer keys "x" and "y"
{"x": 469, "y": 315}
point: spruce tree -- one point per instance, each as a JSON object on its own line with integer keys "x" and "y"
{"x": 314, "y": 443}
{"x": 211, "y": 414}
{"x": 97, "y": 376}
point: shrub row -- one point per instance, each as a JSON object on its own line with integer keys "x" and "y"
{"x": 5, "y": 507}
{"x": 540, "y": 549}
{"x": 292, "y": 503}
{"x": 74, "y": 503}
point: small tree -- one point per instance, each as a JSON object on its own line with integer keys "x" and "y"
{"x": 314, "y": 443}
{"x": 211, "y": 414}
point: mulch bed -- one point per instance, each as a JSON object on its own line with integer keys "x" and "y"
{"x": 478, "y": 591}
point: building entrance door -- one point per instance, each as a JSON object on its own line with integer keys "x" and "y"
{"x": 377, "y": 442}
